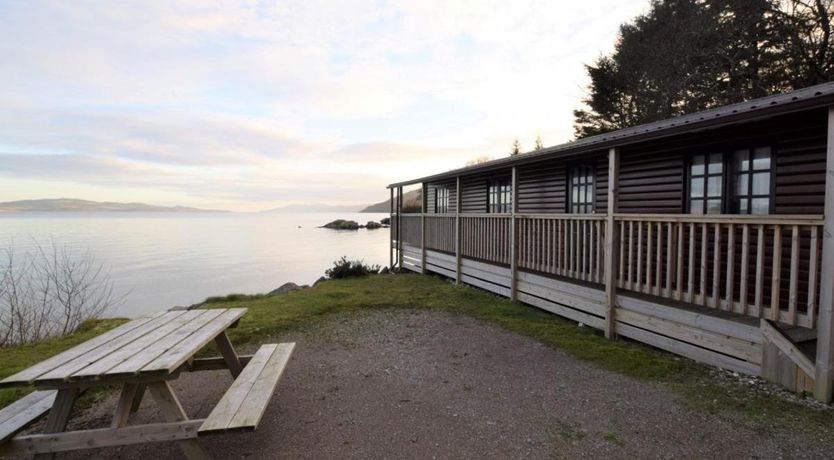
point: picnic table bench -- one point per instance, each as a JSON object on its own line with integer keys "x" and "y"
{"x": 143, "y": 355}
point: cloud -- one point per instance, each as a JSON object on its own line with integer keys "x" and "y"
{"x": 285, "y": 101}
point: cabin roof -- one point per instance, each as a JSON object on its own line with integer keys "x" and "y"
{"x": 756, "y": 109}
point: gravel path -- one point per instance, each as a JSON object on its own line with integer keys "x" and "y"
{"x": 403, "y": 384}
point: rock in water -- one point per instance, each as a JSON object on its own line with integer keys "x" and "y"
{"x": 341, "y": 224}
{"x": 284, "y": 288}
{"x": 371, "y": 225}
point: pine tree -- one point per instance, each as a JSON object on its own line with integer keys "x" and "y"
{"x": 539, "y": 142}
{"x": 516, "y": 148}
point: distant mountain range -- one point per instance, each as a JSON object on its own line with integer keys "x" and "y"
{"x": 73, "y": 205}
{"x": 301, "y": 208}
{"x": 410, "y": 200}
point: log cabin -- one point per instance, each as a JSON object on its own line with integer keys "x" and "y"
{"x": 709, "y": 235}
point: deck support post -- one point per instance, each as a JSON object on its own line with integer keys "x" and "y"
{"x": 399, "y": 227}
{"x": 457, "y": 230}
{"x": 423, "y": 201}
{"x": 611, "y": 245}
{"x": 514, "y": 237}
{"x": 391, "y": 230}
{"x": 824, "y": 375}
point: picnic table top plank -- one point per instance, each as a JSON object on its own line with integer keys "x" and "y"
{"x": 62, "y": 373}
{"x": 182, "y": 351}
{"x": 135, "y": 363}
{"x": 147, "y": 342}
{"x": 158, "y": 343}
{"x": 29, "y": 374}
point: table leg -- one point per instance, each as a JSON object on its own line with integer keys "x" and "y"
{"x": 137, "y": 399}
{"x": 123, "y": 409}
{"x": 59, "y": 415}
{"x": 172, "y": 410}
{"x": 229, "y": 354}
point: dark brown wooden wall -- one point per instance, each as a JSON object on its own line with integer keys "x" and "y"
{"x": 653, "y": 176}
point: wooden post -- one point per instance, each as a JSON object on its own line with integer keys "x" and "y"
{"x": 457, "y": 230}
{"x": 423, "y": 201}
{"x": 611, "y": 242}
{"x": 514, "y": 237}
{"x": 399, "y": 227}
{"x": 824, "y": 376}
{"x": 391, "y": 231}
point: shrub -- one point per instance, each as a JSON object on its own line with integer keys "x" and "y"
{"x": 344, "y": 268}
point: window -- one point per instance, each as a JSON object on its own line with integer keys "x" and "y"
{"x": 581, "y": 190}
{"x": 706, "y": 184}
{"x": 499, "y": 196}
{"x": 441, "y": 200}
{"x": 739, "y": 183}
{"x": 751, "y": 181}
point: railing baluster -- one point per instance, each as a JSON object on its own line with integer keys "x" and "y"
{"x": 794, "y": 277}
{"x": 690, "y": 276}
{"x": 647, "y": 288}
{"x": 759, "y": 271}
{"x": 668, "y": 290}
{"x": 630, "y": 254}
{"x": 745, "y": 262}
{"x": 716, "y": 267}
{"x": 639, "y": 286}
{"x": 704, "y": 264}
{"x": 776, "y": 276}
{"x": 679, "y": 264}
{"x": 621, "y": 282}
{"x": 659, "y": 261}
{"x": 812, "y": 278}
{"x": 731, "y": 254}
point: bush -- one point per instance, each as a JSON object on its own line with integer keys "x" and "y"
{"x": 344, "y": 268}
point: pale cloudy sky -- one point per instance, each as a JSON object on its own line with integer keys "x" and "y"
{"x": 250, "y": 105}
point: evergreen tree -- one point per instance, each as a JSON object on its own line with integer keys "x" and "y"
{"x": 516, "y": 149}
{"x": 539, "y": 142}
{"x": 689, "y": 55}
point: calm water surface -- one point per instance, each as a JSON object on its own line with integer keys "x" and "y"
{"x": 159, "y": 260}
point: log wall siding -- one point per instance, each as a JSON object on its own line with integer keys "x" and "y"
{"x": 474, "y": 191}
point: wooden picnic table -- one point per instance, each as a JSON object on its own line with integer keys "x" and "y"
{"x": 143, "y": 355}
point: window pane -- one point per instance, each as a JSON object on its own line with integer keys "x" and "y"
{"x": 761, "y": 183}
{"x": 714, "y": 186}
{"x": 714, "y": 206}
{"x": 697, "y": 165}
{"x": 742, "y": 206}
{"x": 696, "y": 206}
{"x": 741, "y": 185}
{"x": 742, "y": 158}
{"x": 761, "y": 158}
{"x": 715, "y": 163}
{"x": 760, "y": 205}
{"x": 696, "y": 190}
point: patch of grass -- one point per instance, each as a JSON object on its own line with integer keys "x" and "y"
{"x": 270, "y": 316}
{"x": 15, "y": 359}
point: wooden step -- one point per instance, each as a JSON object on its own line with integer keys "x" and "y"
{"x": 243, "y": 405}
{"x": 21, "y": 413}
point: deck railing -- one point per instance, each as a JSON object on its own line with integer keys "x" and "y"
{"x": 569, "y": 245}
{"x": 760, "y": 266}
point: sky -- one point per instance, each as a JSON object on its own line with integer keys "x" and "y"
{"x": 251, "y": 105}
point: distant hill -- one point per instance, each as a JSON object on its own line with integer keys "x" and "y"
{"x": 300, "y": 208}
{"x": 410, "y": 200}
{"x": 73, "y": 205}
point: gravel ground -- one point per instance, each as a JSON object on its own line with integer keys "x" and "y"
{"x": 403, "y": 384}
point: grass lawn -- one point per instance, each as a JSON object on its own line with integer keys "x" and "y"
{"x": 269, "y": 316}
